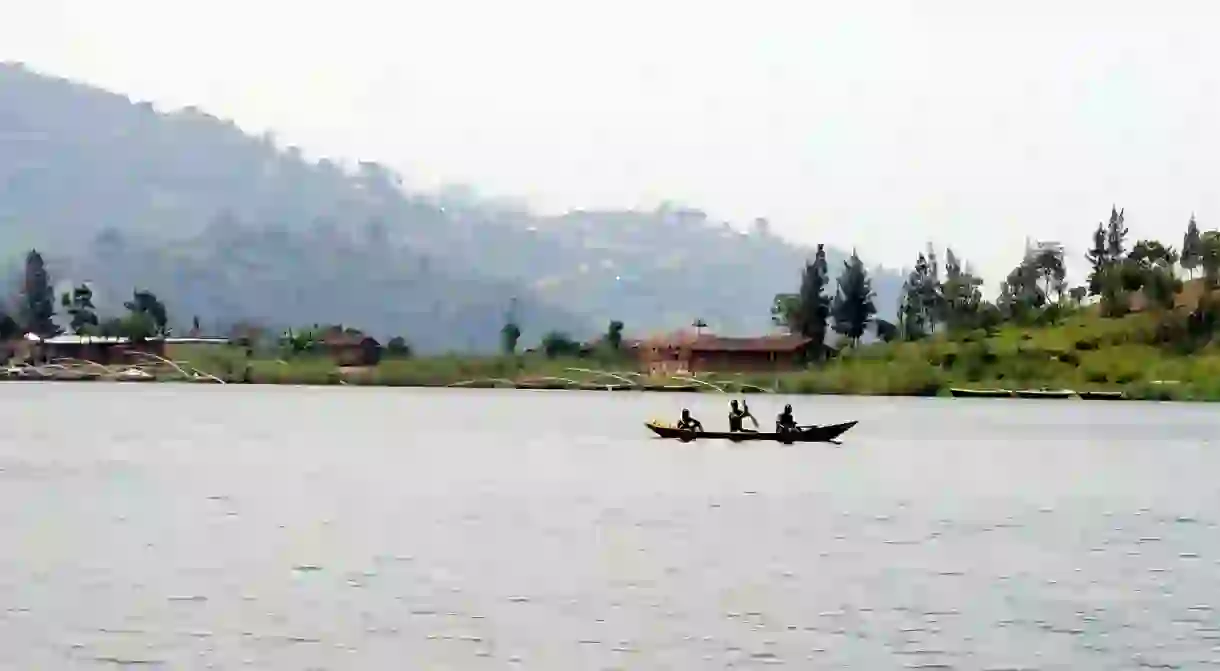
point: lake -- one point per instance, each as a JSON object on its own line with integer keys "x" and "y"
{"x": 276, "y": 528}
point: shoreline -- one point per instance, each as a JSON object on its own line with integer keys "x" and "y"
{"x": 1100, "y": 359}
{"x": 362, "y": 378}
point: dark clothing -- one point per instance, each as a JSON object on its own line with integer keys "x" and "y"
{"x": 736, "y": 417}
{"x": 689, "y": 424}
{"x": 785, "y": 422}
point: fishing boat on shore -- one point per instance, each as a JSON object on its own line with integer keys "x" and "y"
{"x": 980, "y": 393}
{"x": 1044, "y": 393}
{"x": 1101, "y": 395}
{"x": 547, "y": 384}
{"x": 1038, "y": 394}
{"x": 806, "y": 434}
{"x": 671, "y": 387}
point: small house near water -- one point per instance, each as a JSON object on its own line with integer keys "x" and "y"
{"x": 105, "y": 350}
{"x": 351, "y": 348}
{"x": 700, "y": 353}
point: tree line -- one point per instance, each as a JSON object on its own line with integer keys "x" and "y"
{"x": 936, "y": 298}
{"x": 850, "y": 311}
{"x": 557, "y": 343}
{"x": 35, "y": 306}
{"x": 33, "y": 310}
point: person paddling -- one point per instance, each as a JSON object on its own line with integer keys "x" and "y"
{"x": 785, "y": 421}
{"x": 688, "y": 423}
{"x": 737, "y": 416}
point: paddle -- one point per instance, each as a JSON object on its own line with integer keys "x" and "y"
{"x": 746, "y": 409}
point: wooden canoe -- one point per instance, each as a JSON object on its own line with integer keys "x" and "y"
{"x": 809, "y": 434}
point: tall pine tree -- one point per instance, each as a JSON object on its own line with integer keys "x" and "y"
{"x": 1109, "y": 250}
{"x": 853, "y": 307}
{"x": 932, "y": 291}
{"x": 922, "y": 301}
{"x": 37, "y": 306}
{"x": 1116, "y": 236}
{"x": 510, "y": 333}
{"x": 1098, "y": 257}
{"x": 910, "y": 321}
{"x": 806, "y": 311}
{"x": 813, "y": 303}
{"x": 961, "y": 296}
{"x": 1192, "y": 247}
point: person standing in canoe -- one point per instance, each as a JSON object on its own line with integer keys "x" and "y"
{"x": 688, "y": 423}
{"x": 737, "y": 417}
{"x": 785, "y": 421}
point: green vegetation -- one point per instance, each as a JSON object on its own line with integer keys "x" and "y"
{"x": 853, "y": 307}
{"x": 1136, "y": 327}
{"x": 1135, "y": 354}
{"x": 79, "y": 304}
{"x": 257, "y": 240}
{"x": 1141, "y": 355}
{"x": 1145, "y": 355}
{"x": 230, "y": 363}
{"x": 36, "y": 304}
{"x": 145, "y": 315}
{"x": 807, "y": 311}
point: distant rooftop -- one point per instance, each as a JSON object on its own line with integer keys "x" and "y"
{"x": 707, "y": 342}
{"x": 68, "y": 339}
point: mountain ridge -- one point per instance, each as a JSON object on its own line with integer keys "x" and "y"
{"x": 80, "y": 165}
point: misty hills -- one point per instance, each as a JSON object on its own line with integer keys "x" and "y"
{"x": 230, "y": 227}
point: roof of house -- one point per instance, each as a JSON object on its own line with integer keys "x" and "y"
{"x": 197, "y": 340}
{"x": 673, "y": 337}
{"x": 346, "y": 339}
{"x": 712, "y": 343}
{"x": 769, "y": 343}
{"x": 625, "y": 343}
{"x": 70, "y": 339}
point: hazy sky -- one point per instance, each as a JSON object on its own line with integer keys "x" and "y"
{"x": 879, "y": 124}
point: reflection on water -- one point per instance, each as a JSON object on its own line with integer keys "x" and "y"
{"x": 280, "y": 528}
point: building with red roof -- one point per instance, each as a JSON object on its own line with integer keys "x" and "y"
{"x": 688, "y": 353}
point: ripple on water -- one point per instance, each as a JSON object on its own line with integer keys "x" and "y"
{"x": 559, "y": 555}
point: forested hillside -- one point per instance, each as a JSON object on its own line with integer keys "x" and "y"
{"x": 230, "y": 227}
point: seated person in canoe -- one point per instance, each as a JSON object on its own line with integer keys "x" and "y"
{"x": 785, "y": 421}
{"x": 688, "y": 423}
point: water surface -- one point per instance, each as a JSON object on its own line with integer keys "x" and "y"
{"x": 283, "y": 528}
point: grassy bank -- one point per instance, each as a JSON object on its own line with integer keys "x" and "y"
{"x": 1083, "y": 353}
{"x": 230, "y": 364}
{"x": 1136, "y": 354}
